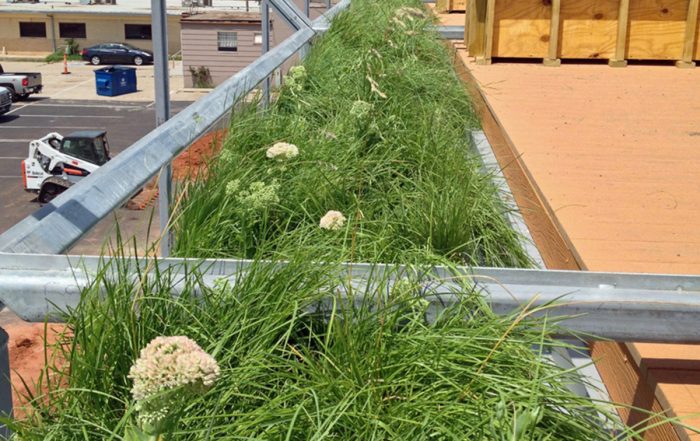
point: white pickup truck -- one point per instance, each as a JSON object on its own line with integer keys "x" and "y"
{"x": 5, "y": 100}
{"x": 20, "y": 84}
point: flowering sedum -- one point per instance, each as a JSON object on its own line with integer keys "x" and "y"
{"x": 360, "y": 109}
{"x": 232, "y": 187}
{"x": 259, "y": 196}
{"x": 172, "y": 362}
{"x": 282, "y": 150}
{"x": 168, "y": 372}
{"x": 333, "y": 220}
{"x": 295, "y": 79}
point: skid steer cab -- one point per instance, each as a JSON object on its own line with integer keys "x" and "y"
{"x": 56, "y": 162}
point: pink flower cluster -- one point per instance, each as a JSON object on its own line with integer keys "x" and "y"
{"x": 170, "y": 363}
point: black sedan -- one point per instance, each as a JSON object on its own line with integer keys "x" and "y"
{"x": 116, "y": 53}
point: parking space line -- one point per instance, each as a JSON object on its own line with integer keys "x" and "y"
{"x": 53, "y": 127}
{"x": 104, "y": 106}
{"x": 73, "y": 87}
{"x": 17, "y": 108}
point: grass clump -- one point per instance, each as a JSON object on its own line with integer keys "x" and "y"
{"x": 380, "y": 122}
{"x": 297, "y": 363}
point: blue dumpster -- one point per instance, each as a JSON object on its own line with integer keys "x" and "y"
{"x": 115, "y": 80}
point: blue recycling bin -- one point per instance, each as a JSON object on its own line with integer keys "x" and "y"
{"x": 115, "y": 80}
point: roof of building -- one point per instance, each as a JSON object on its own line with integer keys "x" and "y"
{"x": 223, "y": 17}
{"x": 87, "y": 134}
{"x": 123, "y": 7}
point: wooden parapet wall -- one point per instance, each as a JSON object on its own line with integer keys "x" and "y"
{"x": 616, "y": 30}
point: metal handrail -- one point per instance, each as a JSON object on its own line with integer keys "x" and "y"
{"x": 57, "y": 226}
{"x": 614, "y": 306}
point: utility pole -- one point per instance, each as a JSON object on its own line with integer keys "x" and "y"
{"x": 159, "y": 26}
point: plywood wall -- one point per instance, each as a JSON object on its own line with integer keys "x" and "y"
{"x": 588, "y": 29}
{"x": 450, "y": 5}
{"x": 521, "y": 28}
{"x": 656, "y": 29}
{"x": 697, "y": 40}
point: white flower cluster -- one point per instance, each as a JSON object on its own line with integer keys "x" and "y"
{"x": 232, "y": 187}
{"x": 282, "y": 150}
{"x": 226, "y": 156}
{"x": 259, "y": 196}
{"x": 360, "y": 109}
{"x": 295, "y": 79}
{"x": 333, "y": 220}
{"x": 172, "y": 363}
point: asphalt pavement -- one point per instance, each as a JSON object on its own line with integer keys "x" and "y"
{"x": 124, "y": 121}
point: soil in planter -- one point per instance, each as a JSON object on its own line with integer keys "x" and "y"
{"x": 28, "y": 352}
{"x": 193, "y": 162}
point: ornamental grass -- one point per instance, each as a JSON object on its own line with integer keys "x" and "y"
{"x": 373, "y": 125}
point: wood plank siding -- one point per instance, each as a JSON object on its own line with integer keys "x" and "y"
{"x": 200, "y": 48}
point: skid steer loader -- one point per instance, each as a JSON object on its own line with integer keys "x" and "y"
{"x": 56, "y": 162}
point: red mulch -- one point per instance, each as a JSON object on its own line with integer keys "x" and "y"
{"x": 193, "y": 161}
{"x": 27, "y": 357}
{"x": 187, "y": 166}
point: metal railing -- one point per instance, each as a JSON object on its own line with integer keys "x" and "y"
{"x": 621, "y": 307}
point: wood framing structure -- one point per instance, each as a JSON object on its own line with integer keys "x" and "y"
{"x": 614, "y": 30}
{"x": 451, "y": 5}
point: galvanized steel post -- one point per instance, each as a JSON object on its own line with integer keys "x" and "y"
{"x": 307, "y": 8}
{"x": 265, "y": 17}
{"x": 159, "y": 22}
{"x": 5, "y": 383}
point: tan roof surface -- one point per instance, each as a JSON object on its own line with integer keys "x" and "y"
{"x": 223, "y": 16}
{"x": 616, "y": 153}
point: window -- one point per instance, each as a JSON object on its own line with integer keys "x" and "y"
{"x": 72, "y": 30}
{"x": 32, "y": 29}
{"x": 227, "y": 41}
{"x": 137, "y": 31}
{"x": 257, "y": 38}
{"x": 80, "y": 148}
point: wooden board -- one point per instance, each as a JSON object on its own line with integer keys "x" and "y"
{"x": 588, "y": 29}
{"x": 656, "y": 29}
{"x": 458, "y": 5}
{"x": 450, "y": 5}
{"x": 521, "y": 28}
{"x": 697, "y": 41}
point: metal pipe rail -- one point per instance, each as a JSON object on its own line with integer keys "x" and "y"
{"x": 57, "y": 226}
{"x": 611, "y": 306}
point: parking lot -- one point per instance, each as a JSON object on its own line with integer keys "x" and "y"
{"x": 124, "y": 121}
